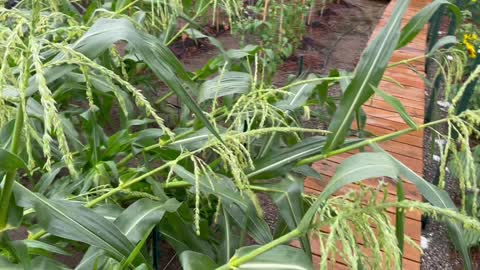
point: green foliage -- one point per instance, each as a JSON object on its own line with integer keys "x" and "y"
{"x": 279, "y": 24}
{"x": 104, "y": 168}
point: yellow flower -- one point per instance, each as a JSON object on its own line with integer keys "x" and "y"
{"x": 472, "y": 53}
{"x": 467, "y": 38}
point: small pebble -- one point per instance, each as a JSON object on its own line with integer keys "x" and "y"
{"x": 424, "y": 242}
{"x": 441, "y": 141}
{"x": 444, "y": 104}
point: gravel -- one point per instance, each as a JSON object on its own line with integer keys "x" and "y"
{"x": 438, "y": 251}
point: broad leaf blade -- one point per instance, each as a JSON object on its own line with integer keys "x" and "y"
{"x": 299, "y": 95}
{"x": 196, "y": 261}
{"x": 398, "y": 106}
{"x": 225, "y": 84}
{"x": 369, "y": 73}
{"x": 239, "y": 207}
{"x": 10, "y": 162}
{"x": 289, "y": 201}
{"x": 444, "y": 41}
{"x": 140, "y": 217}
{"x": 73, "y": 221}
{"x": 439, "y": 198}
{"x": 360, "y": 167}
{"x": 281, "y": 161}
{"x": 418, "y": 22}
{"x": 105, "y": 32}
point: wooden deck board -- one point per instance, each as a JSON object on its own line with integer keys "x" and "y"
{"x": 382, "y": 119}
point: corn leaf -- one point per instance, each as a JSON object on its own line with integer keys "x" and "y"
{"x": 280, "y": 161}
{"x": 10, "y": 162}
{"x": 299, "y": 95}
{"x": 289, "y": 201}
{"x": 444, "y": 41}
{"x": 418, "y": 22}
{"x": 106, "y": 32}
{"x": 196, "y": 261}
{"x": 280, "y": 257}
{"x": 239, "y": 207}
{"x": 75, "y": 222}
{"x": 141, "y": 216}
{"x": 360, "y": 167}
{"x": 227, "y": 83}
{"x": 231, "y": 239}
{"x": 94, "y": 257}
{"x": 176, "y": 228}
{"x": 368, "y": 74}
{"x": 439, "y": 198}
{"x": 398, "y": 106}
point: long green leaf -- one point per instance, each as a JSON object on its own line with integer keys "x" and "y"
{"x": 360, "y": 167}
{"x": 10, "y": 162}
{"x": 93, "y": 257}
{"x": 280, "y": 257}
{"x": 397, "y": 105}
{"x": 418, "y": 22}
{"x": 228, "y": 83}
{"x": 230, "y": 241}
{"x": 141, "y": 216}
{"x": 136, "y": 251}
{"x": 137, "y": 220}
{"x": 289, "y": 201}
{"x": 400, "y": 220}
{"x": 157, "y": 56}
{"x": 280, "y": 161}
{"x": 177, "y": 230}
{"x": 444, "y": 41}
{"x": 106, "y": 32}
{"x": 299, "y": 95}
{"x": 239, "y": 207}
{"x": 73, "y": 221}
{"x": 196, "y": 261}
{"x": 369, "y": 73}
{"x": 438, "y": 198}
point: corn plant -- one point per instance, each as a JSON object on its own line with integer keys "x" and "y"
{"x": 279, "y": 25}
{"x": 455, "y": 64}
{"x": 73, "y": 173}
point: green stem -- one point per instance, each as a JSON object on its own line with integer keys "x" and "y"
{"x": 187, "y": 25}
{"x": 10, "y": 176}
{"x": 236, "y": 262}
{"x": 400, "y": 219}
{"x": 128, "y": 157}
{"x": 126, "y": 185}
{"x": 176, "y": 184}
{"x": 368, "y": 142}
{"x": 120, "y": 11}
{"x": 164, "y": 97}
{"x": 312, "y": 81}
{"x": 406, "y": 61}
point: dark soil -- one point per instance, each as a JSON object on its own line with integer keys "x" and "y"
{"x": 336, "y": 38}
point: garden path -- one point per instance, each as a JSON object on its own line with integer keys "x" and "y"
{"x": 382, "y": 119}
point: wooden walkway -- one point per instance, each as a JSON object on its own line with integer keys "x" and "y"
{"x": 382, "y": 119}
